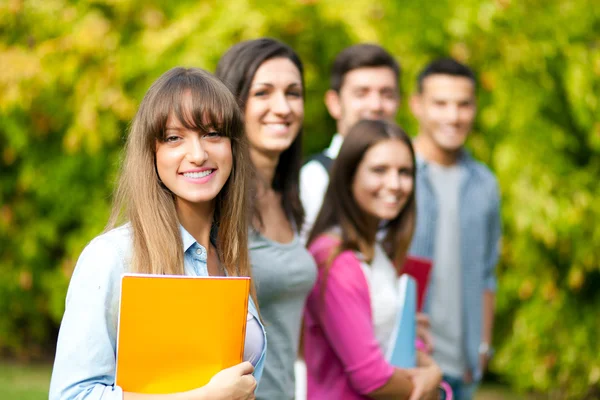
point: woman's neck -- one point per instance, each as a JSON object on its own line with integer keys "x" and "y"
{"x": 266, "y": 165}
{"x": 197, "y": 220}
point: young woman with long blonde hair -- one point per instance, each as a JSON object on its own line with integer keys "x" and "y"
{"x": 182, "y": 194}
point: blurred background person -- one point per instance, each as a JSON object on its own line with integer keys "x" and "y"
{"x": 458, "y": 224}
{"x": 364, "y": 84}
{"x": 267, "y": 77}
{"x": 182, "y": 191}
{"x": 351, "y": 312}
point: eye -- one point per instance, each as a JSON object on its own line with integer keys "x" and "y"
{"x": 378, "y": 170}
{"x": 405, "y": 172}
{"x": 388, "y": 94}
{"x": 171, "y": 138}
{"x": 261, "y": 93}
{"x": 294, "y": 93}
{"x": 213, "y": 133}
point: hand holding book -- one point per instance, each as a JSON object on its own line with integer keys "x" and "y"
{"x": 234, "y": 382}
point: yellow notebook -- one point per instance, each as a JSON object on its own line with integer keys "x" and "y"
{"x": 177, "y": 332}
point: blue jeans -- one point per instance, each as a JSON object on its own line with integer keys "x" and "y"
{"x": 460, "y": 389}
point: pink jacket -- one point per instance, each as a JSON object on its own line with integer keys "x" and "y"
{"x": 343, "y": 358}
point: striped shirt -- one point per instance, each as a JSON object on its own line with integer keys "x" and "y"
{"x": 480, "y": 231}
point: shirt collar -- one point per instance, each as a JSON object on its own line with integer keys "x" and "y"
{"x": 334, "y": 147}
{"x": 187, "y": 239}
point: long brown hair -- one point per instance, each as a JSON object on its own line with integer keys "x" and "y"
{"x": 236, "y": 69}
{"x": 340, "y": 209}
{"x": 149, "y": 206}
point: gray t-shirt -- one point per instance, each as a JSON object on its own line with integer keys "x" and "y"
{"x": 446, "y": 300}
{"x": 284, "y": 274}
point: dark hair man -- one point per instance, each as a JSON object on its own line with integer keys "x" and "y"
{"x": 458, "y": 224}
{"x": 364, "y": 85}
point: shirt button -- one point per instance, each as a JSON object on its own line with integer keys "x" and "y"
{"x": 198, "y": 251}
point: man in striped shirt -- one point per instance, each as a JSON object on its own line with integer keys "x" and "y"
{"x": 458, "y": 224}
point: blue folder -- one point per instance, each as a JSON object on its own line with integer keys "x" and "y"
{"x": 402, "y": 352}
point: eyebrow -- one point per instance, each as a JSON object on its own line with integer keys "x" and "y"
{"x": 271, "y": 85}
{"x": 368, "y": 87}
{"x": 460, "y": 101}
{"x": 387, "y": 165}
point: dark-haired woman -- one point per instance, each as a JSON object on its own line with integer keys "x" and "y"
{"x": 351, "y": 311}
{"x": 267, "y": 77}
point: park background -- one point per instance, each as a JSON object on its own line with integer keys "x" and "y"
{"x": 73, "y": 72}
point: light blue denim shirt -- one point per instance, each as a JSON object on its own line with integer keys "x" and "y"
{"x": 480, "y": 232}
{"x": 85, "y": 363}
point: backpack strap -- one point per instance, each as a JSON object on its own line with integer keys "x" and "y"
{"x": 322, "y": 159}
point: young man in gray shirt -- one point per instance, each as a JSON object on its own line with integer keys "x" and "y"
{"x": 458, "y": 224}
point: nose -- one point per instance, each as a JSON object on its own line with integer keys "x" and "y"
{"x": 376, "y": 103}
{"x": 280, "y": 104}
{"x": 452, "y": 113}
{"x": 196, "y": 153}
{"x": 392, "y": 181}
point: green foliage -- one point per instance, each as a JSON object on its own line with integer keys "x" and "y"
{"x": 74, "y": 72}
{"x": 24, "y": 382}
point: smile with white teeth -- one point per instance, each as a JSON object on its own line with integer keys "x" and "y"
{"x": 390, "y": 199}
{"x": 450, "y": 130}
{"x": 278, "y": 127}
{"x": 198, "y": 175}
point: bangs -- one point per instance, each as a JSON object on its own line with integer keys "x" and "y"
{"x": 211, "y": 105}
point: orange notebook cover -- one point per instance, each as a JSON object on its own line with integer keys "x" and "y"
{"x": 177, "y": 332}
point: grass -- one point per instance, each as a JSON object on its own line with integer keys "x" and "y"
{"x": 494, "y": 391}
{"x": 30, "y": 382}
{"x": 24, "y": 382}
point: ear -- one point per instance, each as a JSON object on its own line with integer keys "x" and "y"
{"x": 415, "y": 105}
{"x": 333, "y": 104}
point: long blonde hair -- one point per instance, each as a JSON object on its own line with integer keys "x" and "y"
{"x": 149, "y": 206}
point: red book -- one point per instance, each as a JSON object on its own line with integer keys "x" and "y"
{"x": 420, "y": 269}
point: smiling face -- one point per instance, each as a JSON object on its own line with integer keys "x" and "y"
{"x": 383, "y": 181}
{"x": 366, "y": 93}
{"x": 445, "y": 110}
{"x": 193, "y": 165}
{"x": 275, "y": 106}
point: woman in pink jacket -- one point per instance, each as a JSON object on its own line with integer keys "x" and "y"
{"x": 351, "y": 311}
